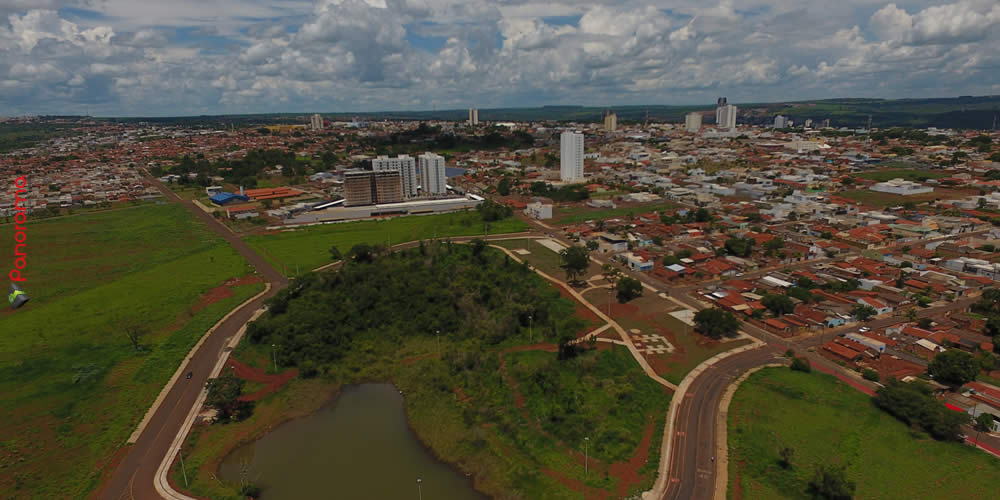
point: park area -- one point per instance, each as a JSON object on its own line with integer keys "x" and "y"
{"x": 298, "y": 251}
{"x": 580, "y": 212}
{"x": 825, "y": 421}
{"x": 73, "y": 385}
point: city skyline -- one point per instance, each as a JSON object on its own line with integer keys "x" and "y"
{"x": 139, "y": 58}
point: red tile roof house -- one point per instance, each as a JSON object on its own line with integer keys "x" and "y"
{"x": 880, "y": 307}
{"x": 842, "y": 352}
{"x": 776, "y": 325}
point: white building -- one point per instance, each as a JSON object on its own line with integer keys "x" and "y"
{"x": 725, "y": 116}
{"x": 692, "y": 122}
{"x": 316, "y": 122}
{"x": 432, "y": 173}
{"x": 901, "y": 187}
{"x": 571, "y": 156}
{"x": 407, "y": 168}
{"x": 780, "y": 122}
{"x": 473, "y": 116}
{"x": 539, "y": 210}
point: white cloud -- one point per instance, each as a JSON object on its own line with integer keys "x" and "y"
{"x": 156, "y": 57}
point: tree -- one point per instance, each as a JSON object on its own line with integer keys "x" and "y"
{"x": 716, "y": 323}
{"x": 786, "y": 453}
{"x": 863, "y": 312}
{"x": 592, "y": 245}
{"x": 134, "y": 329}
{"x": 335, "y": 254}
{"x": 914, "y": 404}
{"x": 223, "y": 395}
{"x": 362, "y": 252}
{"x": 503, "y": 188}
{"x": 702, "y": 215}
{"x": 628, "y": 289}
{"x": 924, "y": 322}
{"x": 983, "y": 423}
{"x": 801, "y": 365}
{"x": 778, "y": 304}
{"x": 576, "y": 260}
{"x": 847, "y": 181}
{"x": 830, "y": 483}
{"x": 740, "y": 247}
{"x": 953, "y": 367}
{"x": 870, "y": 374}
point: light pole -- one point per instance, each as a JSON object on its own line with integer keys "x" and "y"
{"x": 586, "y": 456}
{"x": 531, "y": 333}
{"x": 420, "y": 494}
{"x": 274, "y": 357}
{"x": 180, "y": 452}
{"x": 437, "y": 333}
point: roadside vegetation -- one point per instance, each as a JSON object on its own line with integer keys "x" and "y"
{"x": 303, "y": 249}
{"x": 827, "y": 425}
{"x": 457, "y": 328}
{"x": 118, "y": 299}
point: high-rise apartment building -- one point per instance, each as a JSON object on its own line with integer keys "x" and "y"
{"x": 316, "y": 122}
{"x": 692, "y": 122}
{"x": 610, "y": 121}
{"x": 571, "y": 156}
{"x": 432, "y": 174}
{"x": 780, "y": 122}
{"x": 473, "y": 116}
{"x": 366, "y": 187}
{"x": 725, "y": 114}
{"x": 406, "y": 165}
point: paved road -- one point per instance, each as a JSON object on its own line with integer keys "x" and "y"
{"x": 133, "y": 477}
{"x": 692, "y": 470}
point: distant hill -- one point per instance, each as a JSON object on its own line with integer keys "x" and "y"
{"x": 966, "y": 112}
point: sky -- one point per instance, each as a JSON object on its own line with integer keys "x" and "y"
{"x": 191, "y": 57}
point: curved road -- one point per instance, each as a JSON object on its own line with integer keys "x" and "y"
{"x": 133, "y": 476}
{"x": 692, "y": 471}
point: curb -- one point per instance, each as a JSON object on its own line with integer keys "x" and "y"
{"x": 721, "y": 439}
{"x": 660, "y": 486}
{"x": 161, "y": 482}
{"x": 180, "y": 368}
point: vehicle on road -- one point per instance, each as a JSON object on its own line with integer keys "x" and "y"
{"x": 190, "y": 374}
{"x": 864, "y": 329}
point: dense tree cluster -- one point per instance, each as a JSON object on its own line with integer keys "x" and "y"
{"x": 467, "y": 292}
{"x": 243, "y": 171}
{"x": 914, "y": 404}
{"x": 628, "y": 289}
{"x": 716, "y": 323}
{"x": 953, "y": 367}
{"x": 493, "y": 211}
{"x": 572, "y": 192}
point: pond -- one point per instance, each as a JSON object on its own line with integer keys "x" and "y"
{"x": 358, "y": 446}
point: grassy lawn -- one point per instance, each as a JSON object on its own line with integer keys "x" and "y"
{"x": 309, "y": 248}
{"x": 907, "y": 174}
{"x": 581, "y": 213}
{"x": 542, "y": 257}
{"x": 825, "y": 421}
{"x": 63, "y": 362}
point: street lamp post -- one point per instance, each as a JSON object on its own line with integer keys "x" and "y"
{"x": 420, "y": 494}
{"x": 437, "y": 333}
{"x": 586, "y": 456}
{"x": 531, "y": 333}
{"x": 274, "y": 357}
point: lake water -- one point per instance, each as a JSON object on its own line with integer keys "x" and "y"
{"x": 357, "y": 447}
{"x": 453, "y": 171}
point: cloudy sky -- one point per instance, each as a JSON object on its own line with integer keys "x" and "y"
{"x": 183, "y": 57}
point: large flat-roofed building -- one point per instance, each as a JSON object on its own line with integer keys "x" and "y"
{"x": 901, "y": 187}
{"x": 433, "y": 175}
{"x": 405, "y": 165}
{"x": 388, "y": 186}
{"x": 358, "y": 188}
{"x": 367, "y": 187}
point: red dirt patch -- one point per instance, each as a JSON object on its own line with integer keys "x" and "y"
{"x": 628, "y": 472}
{"x": 223, "y": 291}
{"x": 251, "y": 374}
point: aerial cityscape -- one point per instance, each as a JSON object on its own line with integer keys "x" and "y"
{"x": 386, "y": 249}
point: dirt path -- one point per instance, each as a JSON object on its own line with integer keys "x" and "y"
{"x": 251, "y": 374}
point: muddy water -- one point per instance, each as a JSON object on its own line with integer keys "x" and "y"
{"x": 357, "y": 447}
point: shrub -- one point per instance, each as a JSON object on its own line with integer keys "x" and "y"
{"x": 870, "y": 374}
{"x": 801, "y": 365}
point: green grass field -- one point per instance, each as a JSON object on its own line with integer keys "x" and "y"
{"x": 308, "y": 248}
{"x": 882, "y": 200}
{"x": 72, "y": 388}
{"x": 907, "y": 174}
{"x": 572, "y": 215}
{"x": 825, "y": 421}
